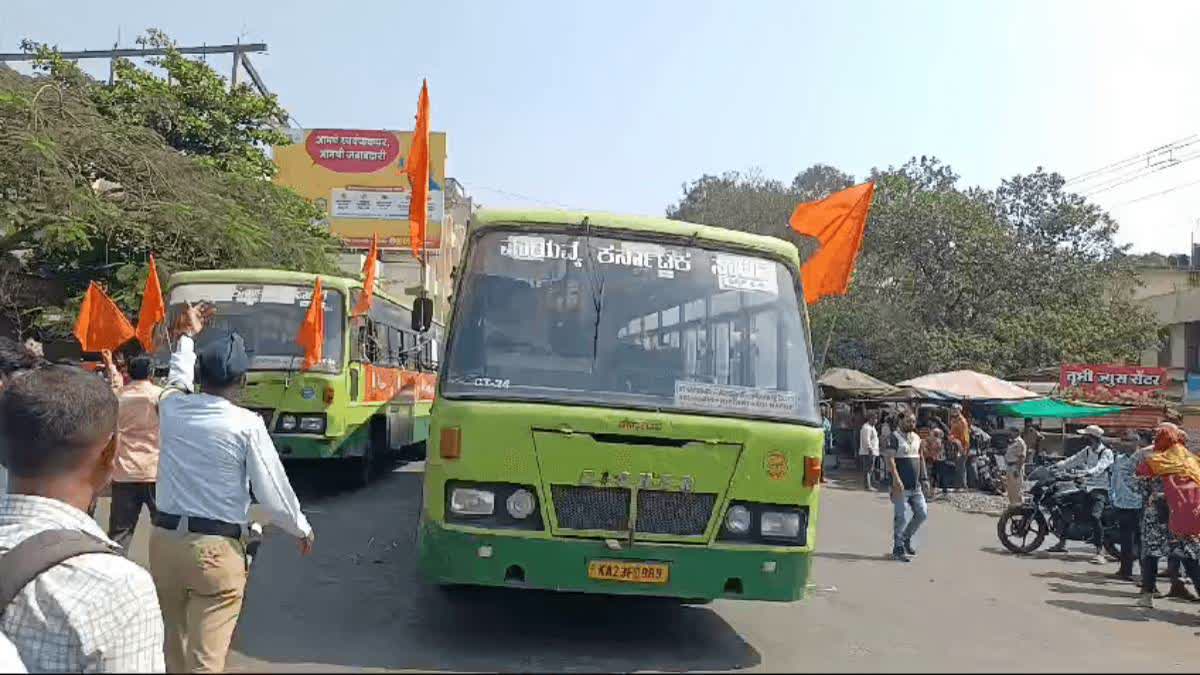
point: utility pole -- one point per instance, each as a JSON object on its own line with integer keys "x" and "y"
{"x": 241, "y": 56}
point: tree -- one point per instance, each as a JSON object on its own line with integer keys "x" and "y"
{"x": 88, "y": 194}
{"x": 192, "y": 108}
{"x": 1022, "y": 277}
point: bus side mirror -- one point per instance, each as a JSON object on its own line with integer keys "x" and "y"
{"x": 422, "y": 314}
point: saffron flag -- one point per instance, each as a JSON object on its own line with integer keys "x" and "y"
{"x": 101, "y": 325}
{"x": 369, "y": 270}
{"x": 153, "y": 309}
{"x": 417, "y": 169}
{"x": 312, "y": 331}
{"x": 838, "y": 223}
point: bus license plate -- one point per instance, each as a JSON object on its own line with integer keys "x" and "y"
{"x": 629, "y": 572}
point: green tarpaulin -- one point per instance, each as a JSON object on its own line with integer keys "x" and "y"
{"x": 1048, "y": 407}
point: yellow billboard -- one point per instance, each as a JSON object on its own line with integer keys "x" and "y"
{"x": 356, "y": 177}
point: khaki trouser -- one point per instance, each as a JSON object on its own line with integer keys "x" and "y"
{"x": 1015, "y": 482}
{"x": 200, "y": 580}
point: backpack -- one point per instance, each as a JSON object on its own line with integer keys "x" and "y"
{"x": 35, "y": 555}
{"x": 1183, "y": 502}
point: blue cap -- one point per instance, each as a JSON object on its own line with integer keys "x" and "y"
{"x": 222, "y": 359}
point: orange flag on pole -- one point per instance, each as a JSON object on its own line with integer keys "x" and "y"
{"x": 312, "y": 331}
{"x": 101, "y": 325}
{"x": 370, "y": 265}
{"x": 838, "y": 223}
{"x": 417, "y": 169}
{"x": 153, "y": 309}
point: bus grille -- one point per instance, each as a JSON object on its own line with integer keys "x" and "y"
{"x": 681, "y": 513}
{"x": 590, "y": 508}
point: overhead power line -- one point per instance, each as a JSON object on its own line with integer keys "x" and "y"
{"x": 1139, "y": 173}
{"x": 1161, "y": 193}
{"x": 1139, "y": 160}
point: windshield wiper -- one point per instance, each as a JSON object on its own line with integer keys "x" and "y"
{"x": 597, "y": 284}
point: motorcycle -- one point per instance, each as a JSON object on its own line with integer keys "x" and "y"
{"x": 989, "y": 475}
{"x": 1056, "y": 499}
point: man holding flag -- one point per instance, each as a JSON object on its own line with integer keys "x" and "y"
{"x": 213, "y": 452}
{"x": 136, "y": 465}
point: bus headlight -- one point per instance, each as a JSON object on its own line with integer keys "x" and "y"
{"x": 737, "y": 519}
{"x": 287, "y": 422}
{"x": 779, "y": 524}
{"x": 472, "y": 502}
{"x": 313, "y": 424}
{"x": 520, "y": 504}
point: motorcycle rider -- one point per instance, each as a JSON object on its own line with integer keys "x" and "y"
{"x": 1092, "y": 464}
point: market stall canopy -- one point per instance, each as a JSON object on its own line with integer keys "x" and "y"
{"x": 854, "y": 382}
{"x": 1048, "y": 407}
{"x": 906, "y": 394}
{"x": 969, "y": 385}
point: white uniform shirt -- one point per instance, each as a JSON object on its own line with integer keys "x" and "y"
{"x": 213, "y": 452}
{"x": 868, "y": 440}
{"x": 94, "y": 613}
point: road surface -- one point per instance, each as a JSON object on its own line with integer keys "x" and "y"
{"x": 962, "y": 605}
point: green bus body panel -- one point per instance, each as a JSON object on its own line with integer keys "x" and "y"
{"x": 347, "y": 430}
{"x": 540, "y": 444}
{"x": 696, "y": 572}
{"x": 513, "y": 443}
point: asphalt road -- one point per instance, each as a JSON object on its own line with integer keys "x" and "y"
{"x": 962, "y": 605}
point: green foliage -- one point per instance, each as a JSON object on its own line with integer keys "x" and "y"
{"x": 191, "y": 107}
{"x": 90, "y": 190}
{"x": 998, "y": 281}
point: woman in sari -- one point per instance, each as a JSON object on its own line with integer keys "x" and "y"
{"x": 1168, "y": 457}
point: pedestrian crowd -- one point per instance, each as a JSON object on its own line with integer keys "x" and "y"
{"x": 1152, "y": 489}
{"x": 70, "y": 600}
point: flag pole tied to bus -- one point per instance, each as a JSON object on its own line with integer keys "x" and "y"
{"x": 312, "y": 331}
{"x": 838, "y": 223}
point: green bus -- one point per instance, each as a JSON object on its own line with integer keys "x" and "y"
{"x": 626, "y": 405}
{"x": 371, "y": 394}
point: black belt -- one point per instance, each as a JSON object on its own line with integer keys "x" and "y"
{"x": 197, "y": 525}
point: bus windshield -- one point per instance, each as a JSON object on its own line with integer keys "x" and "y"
{"x": 268, "y": 317}
{"x": 613, "y": 322}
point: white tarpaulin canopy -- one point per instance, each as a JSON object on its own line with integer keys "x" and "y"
{"x": 854, "y": 382}
{"x": 970, "y": 386}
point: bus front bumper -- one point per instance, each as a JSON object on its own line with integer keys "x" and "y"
{"x": 695, "y": 571}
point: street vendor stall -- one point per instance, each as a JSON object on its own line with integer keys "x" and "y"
{"x": 852, "y": 393}
{"x": 968, "y": 385}
{"x": 1110, "y": 417}
{"x": 850, "y": 383}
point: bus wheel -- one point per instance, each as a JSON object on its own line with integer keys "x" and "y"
{"x": 414, "y": 452}
{"x": 363, "y": 469}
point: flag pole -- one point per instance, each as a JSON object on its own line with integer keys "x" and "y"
{"x": 828, "y": 341}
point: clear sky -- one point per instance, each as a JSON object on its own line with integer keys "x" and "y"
{"x": 614, "y": 105}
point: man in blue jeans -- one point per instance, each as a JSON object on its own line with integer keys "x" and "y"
{"x": 903, "y": 456}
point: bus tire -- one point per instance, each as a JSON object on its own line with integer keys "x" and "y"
{"x": 363, "y": 469}
{"x": 414, "y": 452}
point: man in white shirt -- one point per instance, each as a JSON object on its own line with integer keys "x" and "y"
{"x": 94, "y": 612}
{"x": 868, "y": 448}
{"x": 212, "y": 453}
{"x": 1092, "y": 464}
